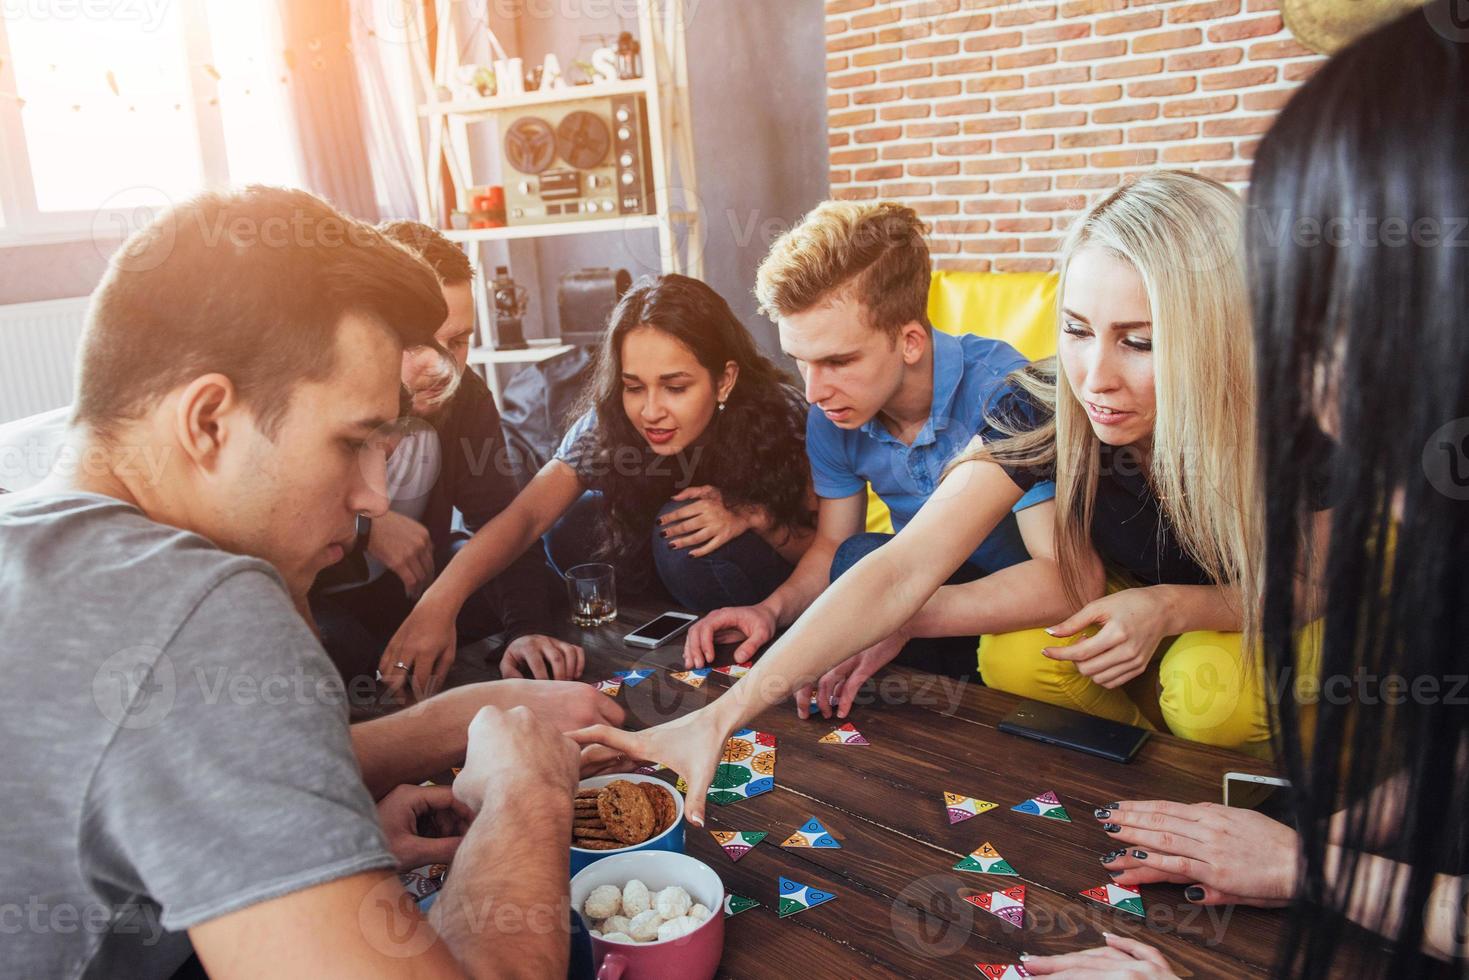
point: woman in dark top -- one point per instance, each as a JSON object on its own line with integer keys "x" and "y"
{"x": 1362, "y": 335}
{"x": 697, "y": 445}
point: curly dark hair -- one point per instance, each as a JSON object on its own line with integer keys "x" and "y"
{"x": 754, "y": 451}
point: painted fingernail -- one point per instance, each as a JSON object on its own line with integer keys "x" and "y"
{"x": 1194, "y": 893}
{"x": 1140, "y": 855}
{"x": 1051, "y": 630}
{"x": 1111, "y": 828}
{"x": 1111, "y": 806}
{"x": 1111, "y": 856}
{"x": 1024, "y": 957}
{"x": 1101, "y": 814}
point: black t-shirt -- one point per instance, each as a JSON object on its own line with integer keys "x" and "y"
{"x": 1129, "y": 530}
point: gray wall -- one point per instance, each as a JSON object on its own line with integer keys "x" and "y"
{"x": 757, "y": 79}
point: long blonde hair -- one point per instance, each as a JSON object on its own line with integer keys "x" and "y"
{"x": 1183, "y": 234}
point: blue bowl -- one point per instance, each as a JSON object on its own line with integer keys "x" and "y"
{"x": 670, "y": 840}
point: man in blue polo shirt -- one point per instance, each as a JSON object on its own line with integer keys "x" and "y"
{"x": 892, "y": 402}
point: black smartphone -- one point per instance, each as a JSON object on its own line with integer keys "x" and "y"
{"x": 1074, "y": 730}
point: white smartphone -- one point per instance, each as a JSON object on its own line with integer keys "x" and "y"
{"x": 1249, "y": 790}
{"x": 658, "y": 632}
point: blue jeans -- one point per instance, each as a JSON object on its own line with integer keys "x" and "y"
{"x": 954, "y": 656}
{"x": 739, "y": 573}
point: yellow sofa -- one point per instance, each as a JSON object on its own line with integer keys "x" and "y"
{"x": 1016, "y": 307}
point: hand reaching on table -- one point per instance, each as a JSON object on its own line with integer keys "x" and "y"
{"x": 513, "y": 752}
{"x": 544, "y": 657}
{"x": 752, "y": 625}
{"x": 425, "y": 645}
{"x": 839, "y": 686}
{"x": 1120, "y": 959}
{"x": 423, "y": 824}
{"x": 1228, "y": 856}
{"x": 691, "y": 746}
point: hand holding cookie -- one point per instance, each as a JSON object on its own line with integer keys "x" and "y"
{"x": 691, "y": 746}
{"x": 515, "y": 752}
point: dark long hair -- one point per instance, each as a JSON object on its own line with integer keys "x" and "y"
{"x": 754, "y": 451}
{"x": 1359, "y": 262}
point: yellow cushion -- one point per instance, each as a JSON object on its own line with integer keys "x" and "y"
{"x": 1016, "y": 307}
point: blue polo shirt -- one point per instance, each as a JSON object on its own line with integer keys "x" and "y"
{"x": 968, "y": 382}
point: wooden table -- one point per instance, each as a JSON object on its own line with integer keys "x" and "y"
{"x": 899, "y": 910}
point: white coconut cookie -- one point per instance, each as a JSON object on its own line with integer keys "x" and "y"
{"x": 635, "y": 898}
{"x": 604, "y": 900}
{"x": 672, "y": 902}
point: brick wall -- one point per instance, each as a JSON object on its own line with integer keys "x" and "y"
{"x": 1001, "y": 120}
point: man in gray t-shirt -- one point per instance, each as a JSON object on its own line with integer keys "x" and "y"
{"x": 178, "y": 767}
{"x": 174, "y": 756}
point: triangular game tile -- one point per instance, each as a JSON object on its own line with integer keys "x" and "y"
{"x": 733, "y": 670}
{"x": 811, "y": 834}
{"x": 1044, "y": 805}
{"x": 1008, "y": 904}
{"x": 961, "y": 808}
{"x": 735, "y": 904}
{"x": 693, "y": 678}
{"x": 609, "y": 687}
{"x": 1118, "y": 897}
{"x": 737, "y": 843}
{"x": 846, "y": 735}
{"x": 796, "y": 897}
{"x": 986, "y": 860}
{"x": 632, "y": 678}
{"x": 1002, "y": 971}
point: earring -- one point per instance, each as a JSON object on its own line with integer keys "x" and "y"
{"x": 721, "y": 406}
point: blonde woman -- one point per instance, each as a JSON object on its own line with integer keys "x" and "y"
{"x": 1151, "y": 446}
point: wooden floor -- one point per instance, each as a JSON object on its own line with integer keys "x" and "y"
{"x": 900, "y": 910}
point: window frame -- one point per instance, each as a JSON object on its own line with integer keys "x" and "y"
{"x": 23, "y": 223}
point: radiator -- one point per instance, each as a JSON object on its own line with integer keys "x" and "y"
{"x": 38, "y": 346}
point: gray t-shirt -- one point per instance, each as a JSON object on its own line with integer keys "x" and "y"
{"x": 175, "y": 741}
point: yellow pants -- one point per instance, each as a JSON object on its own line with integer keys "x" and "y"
{"x": 1200, "y": 686}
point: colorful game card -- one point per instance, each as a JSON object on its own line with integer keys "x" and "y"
{"x": 846, "y": 735}
{"x": 1117, "y": 896}
{"x": 735, "y": 904}
{"x": 811, "y": 834}
{"x": 693, "y": 678}
{"x": 987, "y": 861}
{"x": 1045, "y": 805}
{"x": 1002, "y": 971}
{"x": 747, "y": 768}
{"x": 632, "y": 678}
{"x": 733, "y": 670}
{"x": 737, "y": 843}
{"x": 961, "y": 808}
{"x": 796, "y": 897}
{"x": 609, "y": 687}
{"x": 1008, "y": 904}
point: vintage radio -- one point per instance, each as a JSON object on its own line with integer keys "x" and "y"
{"x": 577, "y": 161}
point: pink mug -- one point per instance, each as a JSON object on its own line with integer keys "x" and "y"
{"x": 692, "y": 957}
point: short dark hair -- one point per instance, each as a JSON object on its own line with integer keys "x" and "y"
{"x": 252, "y": 284}
{"x": 447, "y": 260}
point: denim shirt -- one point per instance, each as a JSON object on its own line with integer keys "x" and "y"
{"x": 969, "y": 375}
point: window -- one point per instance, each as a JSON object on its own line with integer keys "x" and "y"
{"x": 110, "y": 109}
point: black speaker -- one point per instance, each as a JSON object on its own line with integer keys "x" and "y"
{"x": 584, "y": 302}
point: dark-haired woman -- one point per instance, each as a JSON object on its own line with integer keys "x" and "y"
{"x": 1360, "y": 278}
{"x": 696, "y": 444}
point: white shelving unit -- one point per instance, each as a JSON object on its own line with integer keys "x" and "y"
{"x": 445, "y": 147}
